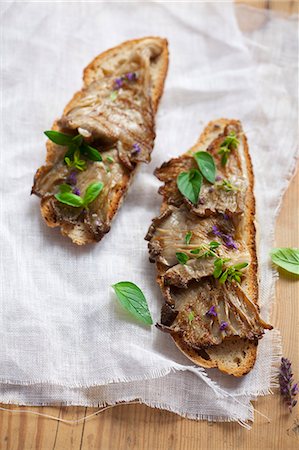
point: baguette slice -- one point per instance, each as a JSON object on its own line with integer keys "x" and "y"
{"x": 114, "y": 112}
{"x": 191, "y": 288}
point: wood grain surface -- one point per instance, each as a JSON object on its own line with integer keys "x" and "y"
{"x": 137, "y": 427}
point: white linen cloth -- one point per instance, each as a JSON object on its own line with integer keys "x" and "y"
{"x": 64, "y": 337}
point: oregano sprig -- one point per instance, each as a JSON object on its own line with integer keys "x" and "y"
{"x": 230, "y": 143}
{"x": 232, "y": 273}
{"x": 76, "y": 147}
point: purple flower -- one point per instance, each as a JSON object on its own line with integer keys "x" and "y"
{"x": 72, "y": 178}
{"x": 216, "y": 231}
{"x": 118, "y": 83}
{"x": 212, "y": 311}
{"x": 287, "y": 389}
{"x": 211, "y": 189}
{"x": 225, "y": 217}
{"x": 201, "y": 200}
{"x": 136, "y": 148}
{"x": 131, "y": 76}
{"x": 76, "y": 191}
{"x": 218, "y": 178}
{"x": 227, "y": 239}
{"x": 229, "y": 242}
{"x": 223, "y": 326}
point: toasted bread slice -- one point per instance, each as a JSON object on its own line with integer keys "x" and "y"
{"x": 236, "y": 354}
{"x": 145, "y": 59}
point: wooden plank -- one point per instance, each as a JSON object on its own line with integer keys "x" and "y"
{"x": 137, "y": 427}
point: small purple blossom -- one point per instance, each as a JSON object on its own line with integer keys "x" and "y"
{"x": 76, "y": 191}
{"x": 136, "y": 148}
{"x": 131, "y": 76}
{"x": 211, "y": 189}
{"x": 201, "y": 200}
{"x": 212, "y": 312}
{"x": 229, "y": 242}
{"x": 287, "y": 389}
{"x": 227, "y": 239}
{"x": 223, "y": 326}
{"x": 225, "y": 216}
{"x": 118, "y": 83}
{"x": 218, "y": 178}
{"x": 72, "y": 178}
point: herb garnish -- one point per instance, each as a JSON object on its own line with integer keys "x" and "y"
{"x": 227, "y": 186}
{"x": 191, "y": 316}
{"x": 287, "y": 389}
{"x": 206, "y": 164}
{"x": 287, "y": 258}
{"x": 230, "y": 143}
{"x": 76, "y": 163}
{"x": 109, "y": 159}
{"x": 182, "y": 257}
{"x": 232, "y": 273}
{"x": 188, "y": 237}
{"x": 208, "y": 250}
{"x": 66, "y": 196}
{"x": 75, "y": 145}
{"x": 133, "y": 300}
{"x": 189, "y": 184}
{"x": 113, "y": 95}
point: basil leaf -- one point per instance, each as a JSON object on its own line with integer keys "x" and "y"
{"x": 195, "y": 251}
{"x": 92, "y": 192}
{"x": 188, "y": 237}
{"x": 189, "y": 184}
{"x": 59, "y": 138}
{"x": 77, "y": 140}
{"x": 64, "y": 188}
{"x": 113, "y": 95}
{"x": 214, "y": 244}
{"x": 287, "y": 258}
{"x": 133, "y": 300}
{"x": 90, "y": 152}
{"x": 182, "y": 257}
{"x": 69, "y": 199}
{"x": 206, "y": 164}
{"x": 240, "y": 266}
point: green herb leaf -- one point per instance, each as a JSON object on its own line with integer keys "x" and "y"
{"x": 188, "y": 237}
{"x": 69, "y": 199}
{"x": 59, "y": 138}
{"x": 77, "y": 140}
{"x": 223, "y": 277}
{"x": 182, "y": 257}
{"x": 206, "y": 164}
{"x": 231, "y": 142}
{"x": 77, "y": 163}
{"x": 91, "y": 153}
{"x": 65, "y": 188}
{"x": 240, "y": 266}
{"x": 195, "y": 251}
{"x": 214, "y": 244}
{"x": 218, "y": 264}
{"x": 189, "y": 184}
{"x": 113, "y": 95}
{"x": 92, "y": 192}
{"x": 109, "y": 159}
{"x": 191, "y": 316}
{"x": 287, "y": 258}
{"x": 133, "y": 300}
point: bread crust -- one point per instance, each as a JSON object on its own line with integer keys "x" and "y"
{"x": 79, "y": 234}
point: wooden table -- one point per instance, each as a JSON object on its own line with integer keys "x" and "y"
{"x": 138, "y": 427}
